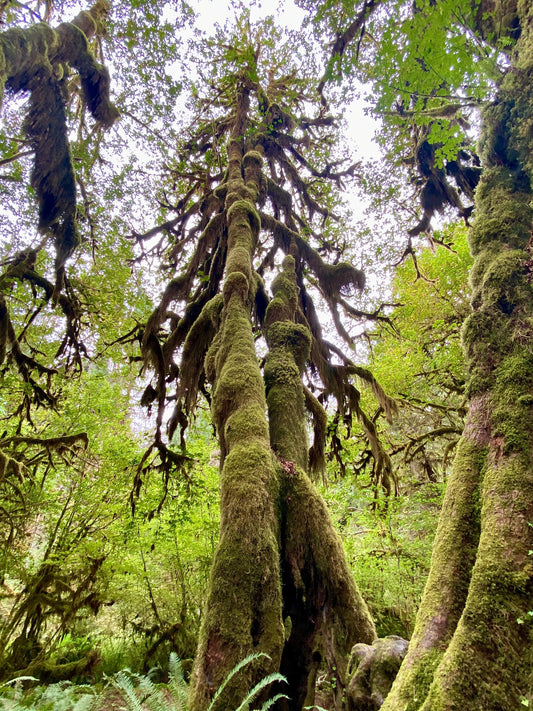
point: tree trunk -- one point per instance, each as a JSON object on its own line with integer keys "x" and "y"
{"x": 473, "y": 640}
{"x": 243, "y": 613}
{"x": 326, "y": 611}
{"x": 279, "y": 557}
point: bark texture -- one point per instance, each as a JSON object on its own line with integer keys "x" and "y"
{"x": 473, "y": 640}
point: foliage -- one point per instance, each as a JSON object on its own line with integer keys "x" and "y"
{"x": 137, "y": 691}
{"x": 389, "y": 550}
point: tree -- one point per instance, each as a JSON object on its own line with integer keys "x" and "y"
{"x": 279, "y": 582}
{"x": 252, "y": 195}
{"x": 472, "y": 643}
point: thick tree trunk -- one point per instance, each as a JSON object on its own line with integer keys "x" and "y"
{"x": 243, "y": 613}
{"x": 323, "y": 609}
{"x": 270, "y": 510}
{"x": 473, "y": 641}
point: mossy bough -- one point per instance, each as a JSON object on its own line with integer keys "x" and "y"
{"x": 37, "y": 59}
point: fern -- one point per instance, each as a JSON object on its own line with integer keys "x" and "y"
{"x": 123, "y": 683}
{"x": 236, "y": 669}
{"x": 270, "y": 702}
{"x": 176, "y": 682}
{"x": 253, "y": 693}
{"x": 154, "y": 697}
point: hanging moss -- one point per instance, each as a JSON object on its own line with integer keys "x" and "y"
{"x": 37, "y": 59}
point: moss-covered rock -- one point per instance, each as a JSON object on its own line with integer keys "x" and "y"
{"x": 373, "y": 668}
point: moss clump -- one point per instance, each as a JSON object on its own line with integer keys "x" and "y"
{"x": 35, "y": 60}
{"x": 512, "y": 420}
{"x": 503, "y": 283}
{"x": 503, "y": 212}
{"x": 485, "y": 343}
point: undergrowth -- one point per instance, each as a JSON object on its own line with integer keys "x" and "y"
{"x": 135, "y": 692}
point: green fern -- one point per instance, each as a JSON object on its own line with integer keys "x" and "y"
{"x": 123, "y": 683}
{"x": 251, "y": 695}
{"x": 176, "y": 682}
{"x": 259, "y": 687}
{"x": 140, "y": 693}
{"x": 56, "y": 697}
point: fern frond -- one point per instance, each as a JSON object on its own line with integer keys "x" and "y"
{"x": 258, "y": 688}
{"x": 122, "y": 682}
{"x": 176, "y": 682}
{"x": 236, "y": 669}
{"x": 270, "y": 702}
{"x": 154, "y": 697}
{"x": 88, "y": 702}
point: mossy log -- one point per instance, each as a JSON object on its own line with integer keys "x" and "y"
{"x": 473, "y": 640}
{"x": 372, "y": 670}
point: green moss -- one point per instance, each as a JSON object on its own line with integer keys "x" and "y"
{"x": 485, "y": 665}
{"x": 244, "y": 214}
{"x": 246, "y": 423}
{"x": 512, "y": 417}
{"x": 507, "y": 219}
{"x": 289, "y": 346}
{"x": 503, "y": 283}
{"x": 295, "y": 338}
{"x": 485, "y": 342}
{"x": 484, "y": 257}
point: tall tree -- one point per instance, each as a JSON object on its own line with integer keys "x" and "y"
{"x": 252, "y": 181}
{"x": 472, "y": 642}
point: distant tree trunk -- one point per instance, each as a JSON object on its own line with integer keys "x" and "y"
{"x": 472, "y": 646}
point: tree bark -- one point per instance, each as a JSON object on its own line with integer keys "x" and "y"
{"x": 473, "y": 640}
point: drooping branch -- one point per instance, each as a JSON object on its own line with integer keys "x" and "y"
{"x": 38, "y": 59}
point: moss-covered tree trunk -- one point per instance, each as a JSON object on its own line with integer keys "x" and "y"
{"x": 473, "y": 642}
{"x": 244, "y": 608}
{"x": 280, "y": 583}
{"x": 323, "y": 609}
